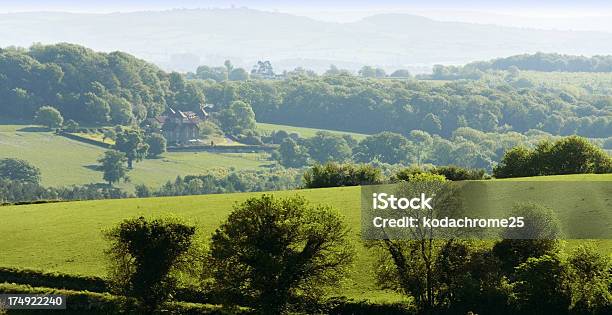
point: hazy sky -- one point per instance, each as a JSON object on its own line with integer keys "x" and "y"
{"x": 514, "y": 7}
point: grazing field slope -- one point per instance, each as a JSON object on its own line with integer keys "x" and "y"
{"x": 67, "y": 236}
{"x": 305, "y": 132}
{"x": 66, "y": 162}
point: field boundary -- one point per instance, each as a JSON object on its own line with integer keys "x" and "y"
{"x": 85, "y": 140}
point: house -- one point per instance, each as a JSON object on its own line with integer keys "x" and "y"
{"x": 181, "y": 127}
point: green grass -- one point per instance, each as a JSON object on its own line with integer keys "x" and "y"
{"x": 67, "y": 237}
{"x": 305, "y": 132}
{"x": 65, "y": 162}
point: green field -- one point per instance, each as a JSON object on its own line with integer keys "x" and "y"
{"x": 63, "y": 161}
{"x": 67, "y": 236}
{"x": 305, "y": 132}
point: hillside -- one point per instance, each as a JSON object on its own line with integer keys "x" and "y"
{"x": 305, "y": 132}
{"x": 67, "y": 236}
{"x": 66, "y": 162}
{"x": 182, "y": 39}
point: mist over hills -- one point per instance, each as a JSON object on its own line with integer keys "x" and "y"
{"x": 182, "y": 39}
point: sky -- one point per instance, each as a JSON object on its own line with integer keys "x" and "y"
{"x": 548, "y": 8}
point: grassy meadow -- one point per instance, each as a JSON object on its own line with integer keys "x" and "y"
{"x": 67, "y": 236}
{"x": 305, "y": 132}
{"x": 63, "y": 161}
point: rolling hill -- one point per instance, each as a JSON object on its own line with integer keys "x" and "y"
{"x": 182, "y": 39}
{"x": 68, "y": 162}
{"x": 67, "y": 236}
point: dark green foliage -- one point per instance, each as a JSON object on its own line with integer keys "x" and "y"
{"x": 84, "y": 85}
{"x": 291, "y": 154}
{"x": 570, "y": 155}
{"x": 237, "y": 118}
{"x": 49, "y": 117}
{"x": 55, "y": 280}
{"x": 157, "y": 144}
{"x": 113, "y": 166}
{"x": 456, "y": 173}
{"x": 326, "y": 147}
{"x": 225, "y": 181}
{"x": 542, "y": 286}
{"x": 386, "y": 147}
{"x": 336, "y": 175}
{"x": 592, "y": 280}
{"x": 143, "y": 255}
{"x": 271, "y": 250}
{"x": 540, "y": 239}
{"x": 549, "y": 62}
{"x": 19, "y": 171}
{"x": 132, "y": 143}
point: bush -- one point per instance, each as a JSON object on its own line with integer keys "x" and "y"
{"x": 456, "y": 173}
{"x": 144, "y": 254}
{"x": 336, "y": 175}
{"x": 570, "y": 155}
{"x": 272, "y": 251}
{"x": 52, "y": 280}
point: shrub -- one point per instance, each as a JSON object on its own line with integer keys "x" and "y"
{"x": 144, "y": 253}
{"x": 570, "y": 155}
{"x": 336, "y": 175}
{"x": 456, "y": 173}
{"x": 272, "y": 251}
{"x": 49, "y": 116}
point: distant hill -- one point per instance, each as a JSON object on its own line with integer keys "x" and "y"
{"x": 182, "y": 39}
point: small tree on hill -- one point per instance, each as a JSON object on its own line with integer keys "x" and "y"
{"x": 272, "y": 250}
{"x": 143, "y": 254}
{"x": 132, "y": 143}
{"x": 157, "y": 144}
{"x": 49, "y": 117}
{"x": 113, "y": 166}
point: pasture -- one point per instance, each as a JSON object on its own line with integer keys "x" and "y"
{"x": 67, "y": 236}
{"x": 63, "y": 161}
{"x": 305, "y": 132}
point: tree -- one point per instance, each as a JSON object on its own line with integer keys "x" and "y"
{"x": 292, "y": 154}
{"x": 410, "y": 265}
{"x": 157, "y": 144}
{"x": 591, "y": 281}
{"x": 237, "y": 118}
{"x": 542, "y": 286}
{"x": 387, "y": 147}
{"x": 131, "y": 142}
{"x": 337, "y": 175}
{"x": 325, "y": 147}
{"x": 271, "y": 250}
{"x": 144, "y": 253}
{"x": 97, "y": 108}
{"x": 19, "y": 170}
{"x": 371, "y": 72}
{"x": 263, "y": 69}
{"x": 238, "y": 74}
{"x": 569, "y": 155}
{"x": 49, "y": 116}
{"x": 401, "y": 73}
{"x": 538, "y": 239}
{"x": 113, "y": 166}
{"x": 218, "y": 74}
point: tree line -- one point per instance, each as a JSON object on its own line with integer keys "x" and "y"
{"x": 342, "y": 102}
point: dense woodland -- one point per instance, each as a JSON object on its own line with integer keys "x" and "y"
{"x": 116, "y": 88}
